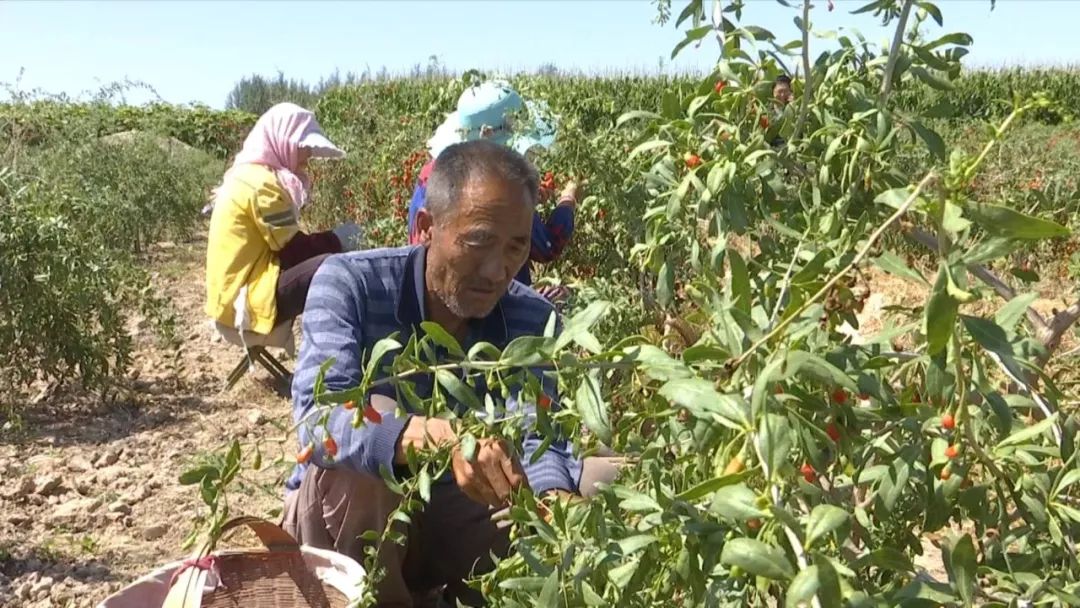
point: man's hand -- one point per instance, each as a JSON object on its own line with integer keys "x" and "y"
{"x": 556, "y": 294}
{"x": 492, "y": 476}
{"x": 571, "y": 194}
{"x": 422, "y": 434}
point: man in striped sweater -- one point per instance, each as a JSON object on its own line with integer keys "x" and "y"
{"x": 476, "y": 235}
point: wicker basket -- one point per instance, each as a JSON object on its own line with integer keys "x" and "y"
{"x": 287, "y": 575}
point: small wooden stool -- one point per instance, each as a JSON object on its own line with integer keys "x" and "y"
{"x": 255, "y": 352}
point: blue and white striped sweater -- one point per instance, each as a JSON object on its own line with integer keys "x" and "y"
{"x": 357, "y": 299}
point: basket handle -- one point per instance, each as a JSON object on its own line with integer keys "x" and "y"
{"x": 273, "y": 537}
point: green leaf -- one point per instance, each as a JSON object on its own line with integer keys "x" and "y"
{"x": 691, "y": 36}
{"x": 1067, "y": 480}
{"x": 736, "y": 503}
{"x": 577, "y": 327}
{"x": 953, "y": 221}
{"x": 705, "y": 488}
{"x": 940, "y": 316}
{"x": 1009, "y": 223}
{"x": 1023, "y": 435}
{"x": 695, "y": 105}
{"x": 532, "y": 583}
{"x": 888, "y": 558}
{"x": 991, "y": 249}
{"x": 829, "y": 591}
{"x": 933, "y": 11}
{"x": 1014, "y": 310}
{"x": 803, "y": 588}
{"x": 935, "y": 594}
{"x": 442, "y": 337}
{"x": 824, "y": 519}
{"x": 592, "y": 408}
{"x": 798, "y": 363}
{"x": 894, "y": 198}
{"x": 590, "y": 596}
{"x": 461, "y": 392}
{"x": 381, "y": 348}
{"x": 934, "y": 81}
{"x": 620, "y": 575}
{"x": 665, "y": 285}
{"x": 525, "y": 351}
{"x": 193, "y": 476}
{"x": 892, "y": 264}
{"x": 740, "y": 281}
{"x": 658, "y": 364}
{"x": 962, "y": 558}
{"x": 819, "y": 579}
{"x": 757, "y": 558}
{"x": 424, "y": 485}
{"x": 633, "y": 544}
{"x": 549, "y": 593}
{"x": 648, "y": 147}
{"x": 957, "y": 38}
{"x": 703, "y": 401}
{"x": 775, "y": 441}
{"x": 634, "y": 115}
{"x": 933, "y": 141}
{"x": 692, "y": 9}
{"x": 987, "y": 334}
{"x": 468, "y": 447}
{"x": 232, "y": 459}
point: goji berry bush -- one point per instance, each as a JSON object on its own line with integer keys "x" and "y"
{"x": 775, "y": 458}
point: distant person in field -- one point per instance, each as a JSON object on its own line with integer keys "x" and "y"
{"x": 782, "y": 97}
{"x": 259, "y": 263}
{"x": 488, "y": 111}
{"x": 476, "y": 229}
{"x": 781, "y": 90}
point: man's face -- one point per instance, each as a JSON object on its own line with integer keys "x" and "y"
{"x": 782, "y": 92}
{"x": 475, "y": 252}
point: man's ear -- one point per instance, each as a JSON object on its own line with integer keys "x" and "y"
{"x": 424, "y": 223}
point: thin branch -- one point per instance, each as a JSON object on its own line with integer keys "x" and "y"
{"x": 1059, "y": 324}
{"x": 787, "y": 276}
{"x": 874, "y": 238}
{"x": 1000, "y": 287}
{"x": 894, "y": 51}
{"x": 808, "y": 80}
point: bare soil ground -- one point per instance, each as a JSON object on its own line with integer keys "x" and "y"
{"x": 89, "y": 498}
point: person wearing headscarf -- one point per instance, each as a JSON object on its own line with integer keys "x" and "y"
{"x": 488, "y": 111}
{"x": 259, "y": 263}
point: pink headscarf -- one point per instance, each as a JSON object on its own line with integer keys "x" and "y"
{"x": 275, "y": 143}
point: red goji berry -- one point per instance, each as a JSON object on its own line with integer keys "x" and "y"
{"x": 952, "y": 452}
{"x": 372, "y": 415}
{"x": 948, "y": 422}
{"x": 834, "y": 432}
{"x": 305, "y": 454}
{"x": 330, "y": 446}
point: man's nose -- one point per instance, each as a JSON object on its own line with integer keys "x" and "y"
{"x": 492, "y": 269}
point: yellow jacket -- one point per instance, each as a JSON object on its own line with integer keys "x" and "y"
{"x": 253, "y": 219}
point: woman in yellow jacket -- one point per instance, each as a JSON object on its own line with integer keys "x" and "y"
{"x": 258, "y": 263}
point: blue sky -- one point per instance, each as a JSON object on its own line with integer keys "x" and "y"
{"x": 195, "y": 51}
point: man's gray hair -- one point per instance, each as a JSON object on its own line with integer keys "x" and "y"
{"x": 459, "y": 163}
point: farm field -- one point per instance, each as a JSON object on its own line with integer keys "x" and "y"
{"x": 838, "y": 337}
